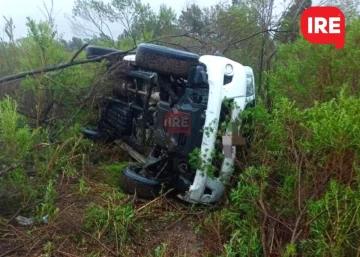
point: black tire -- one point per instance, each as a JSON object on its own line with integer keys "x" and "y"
{"x": 132, "y": 182}
{"x": 164, "y": 60}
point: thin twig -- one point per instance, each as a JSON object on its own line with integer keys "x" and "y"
{"x": 17, "y": 247}
{"x": 68, "y": 207}
{"x": 32, "y": 247}
{"x": 67, "y": 254}
{"x": 99, "y": 242}
{"x": 155, "y": 200}
{"x": 63, "y": 243}
{"x": 14, "y": 249}
{"x": 263, "y": 235}
{"x": 18, "y": 212}
{"x": 176, "y": 222}
{"x": 277, "y": 220}
{"x": 17, "y": 232}
{"x": 78, "y": 52}
{"x": 248, "y": 37}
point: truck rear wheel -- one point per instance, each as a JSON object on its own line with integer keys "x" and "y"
{"x": 132, "y": 182}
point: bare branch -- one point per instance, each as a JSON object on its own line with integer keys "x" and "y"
{"x": 251, "y": 36}
{"x": 61, "y": 66}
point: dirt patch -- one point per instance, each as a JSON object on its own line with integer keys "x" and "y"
{"x": 176, "y": 239}
{"x": 165, "y": 227}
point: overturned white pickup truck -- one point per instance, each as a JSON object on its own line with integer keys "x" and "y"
{"x": 168, "y": 105}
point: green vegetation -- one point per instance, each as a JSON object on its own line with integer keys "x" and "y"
{"x": 111, "y": 220}
{"x": 295, "y": 194}
{"x": 300, "y": 189}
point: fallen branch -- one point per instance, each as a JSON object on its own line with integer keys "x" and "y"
{"x": 61, "y": 66}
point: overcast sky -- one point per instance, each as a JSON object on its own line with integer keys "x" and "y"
{"x": 20, "y": 9}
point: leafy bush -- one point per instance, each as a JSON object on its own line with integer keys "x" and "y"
{"x": 243, "y": 217}
{"x": 286, "y": 195}
{"x": 16, "y": 138}
{"x": 39, "y": 144}
{"x": 111, "y": 220}
{"x": 335, "y": 227}
{"x": 46, "y": 210}
{"x": 305, "y": 72}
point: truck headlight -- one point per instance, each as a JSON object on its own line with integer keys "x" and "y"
{"x": 249, "y": 85}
